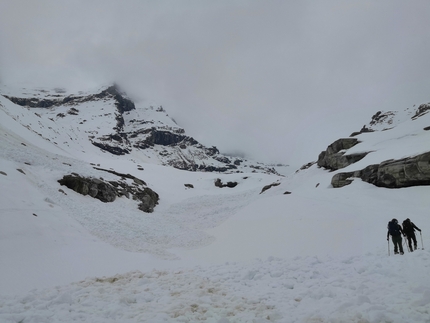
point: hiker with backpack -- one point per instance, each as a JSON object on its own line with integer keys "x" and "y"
{"x": 395, "y": 230}
{"x": 409, "y": 230}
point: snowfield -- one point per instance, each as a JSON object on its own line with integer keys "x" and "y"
{"x": 206, "y": 254}
{"x": 366, "y": 288}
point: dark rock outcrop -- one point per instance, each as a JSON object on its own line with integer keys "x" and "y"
{"x": 369, "y": 174}
{"x": 108, "y": 191}
{"x": 422, "y": 110}
{"x": 265, "y": 188}
{"x": 34, "y": 102}
{"x": 93, "y": 187}
{"x": 334, "y": 157}
{"x": 382, "y": 117}
{"x": 411, "y": 171}
{"x": 362, "y": 130}
{"x": 112, "y": 149}
{"x": 222, "y": 159}
{"x": 341, "y": 179}
{"x": 148, "y": 200}
{"x": 163, "y": 138}
{"x": 122, "y": 103}
{"x": 306, "y": 166}
{"x": 219, "y": 183}
{"x": 405, "y": 172}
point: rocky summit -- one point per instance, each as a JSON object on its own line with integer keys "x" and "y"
{"x": 106, "y": 120}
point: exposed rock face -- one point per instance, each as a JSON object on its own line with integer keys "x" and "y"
{"x": 163, "y": 138}
{"x": 265, "y": 188}
{"x": 334, "y": 157}
{"x": 112, "y": 149}
{"x": 382, "y": 117}
{"x": 108, "y": 191}
{"x": 411, "y": 171}
{"x": 342, "y": 179}
{"x": 93, "y": 187}
{"x": 369, "y": 174}
{"x": 148, "y": 200}
{"x": 121, "y": 102}
{"x": 422, "y": 110}
{"x": 34, "y": 102}
{"x": 405, "y": 172}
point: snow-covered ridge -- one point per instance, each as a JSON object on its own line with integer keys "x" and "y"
{"x": 106, "y": 120}
{"x": 386, "y": 120}
{"x": 391, "y": 151}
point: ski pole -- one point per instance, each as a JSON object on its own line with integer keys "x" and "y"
{"x": 422, "y": 245}
{"x": 388, "y": 247}
{"x": 406, "y": 242}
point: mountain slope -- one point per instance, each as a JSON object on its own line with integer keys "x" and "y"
{"x": 107, "y": 121}
{"x": 321, "y": 252}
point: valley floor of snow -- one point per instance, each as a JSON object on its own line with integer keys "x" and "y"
{"x": 206, "y": 254}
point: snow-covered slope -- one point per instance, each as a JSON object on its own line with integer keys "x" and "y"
{"x": 106, "y": 121}
{"x": 301, "y": 251}
{"x": 394, "y": 135}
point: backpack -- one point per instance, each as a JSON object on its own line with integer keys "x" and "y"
{"x": 407, "y": 226}
{"x": 393, "y": 228}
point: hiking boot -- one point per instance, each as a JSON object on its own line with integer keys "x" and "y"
{"x": 401, "y": 252}
{"x": 396, "y": 252}
{"x": 415, "y": 247}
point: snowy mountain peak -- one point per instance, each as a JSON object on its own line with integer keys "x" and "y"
{"x": 107, "y": 121}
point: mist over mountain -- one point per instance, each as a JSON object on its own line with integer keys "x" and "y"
{"x": 253, "y": 74}
{"x": 146, "y": 131}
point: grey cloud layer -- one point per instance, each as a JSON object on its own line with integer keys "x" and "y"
{"x": 245, "y": 75}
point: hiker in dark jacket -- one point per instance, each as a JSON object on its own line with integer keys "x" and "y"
{"x": 409, "y": 229}
{"x": 396, "y": 232}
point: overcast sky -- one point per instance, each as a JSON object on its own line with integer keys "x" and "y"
{"x": 245, "y": 76}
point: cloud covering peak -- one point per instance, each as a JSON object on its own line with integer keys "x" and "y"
{"x": 244, "y": 76}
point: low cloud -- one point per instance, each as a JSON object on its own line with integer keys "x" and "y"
{"x": 253, "y": 76}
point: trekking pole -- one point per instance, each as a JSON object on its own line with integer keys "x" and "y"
{"x": 407, "y": 246}
{"x": 388, "y": 247}
{"x": 422, "y": 245}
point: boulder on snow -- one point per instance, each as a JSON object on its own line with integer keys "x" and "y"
{"x": 108, "y": 191}
{"x": 93, "y": 187}
{"x": 219, "y": 183}
{"x": 341, "y": 179}
{"x": 148, "y": 200}
{"x": 334, "y": 157}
